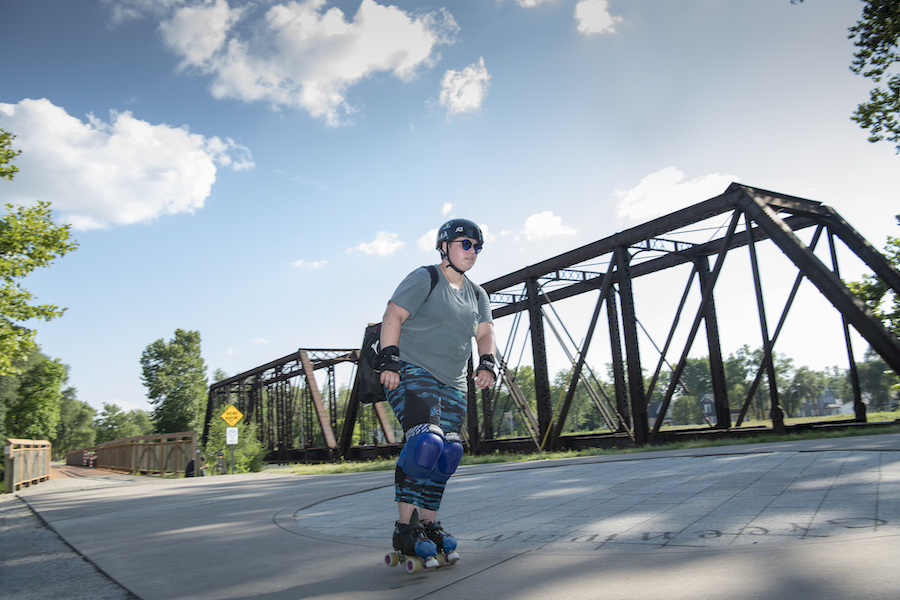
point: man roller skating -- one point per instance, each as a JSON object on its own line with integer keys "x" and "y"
{"x": 426, "y": 341}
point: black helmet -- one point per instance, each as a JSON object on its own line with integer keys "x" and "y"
{"x": 457, "y": 228}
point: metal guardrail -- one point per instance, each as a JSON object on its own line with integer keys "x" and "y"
{"x": 27, "y": 463}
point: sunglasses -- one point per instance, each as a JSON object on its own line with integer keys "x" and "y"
{"x": 467, "y": 245}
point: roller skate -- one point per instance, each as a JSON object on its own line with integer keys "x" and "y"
{"x": 412, "y": 547}
{"x": 446, "y": 543}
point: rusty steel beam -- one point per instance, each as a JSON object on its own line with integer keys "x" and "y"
{"x": 506, "y": 303}
{"x": 775, "y": 412}
{"x": 618, "y": 366}
{"x": 855, "y": 310}
{"x": 655, "y": 228}
{"x": 716, "y": 362}
{"x": 539, "y": 360}
{"x": 636, "y": 395}
{"x": 321, "y": 412}
{"x": 859, "y": 408}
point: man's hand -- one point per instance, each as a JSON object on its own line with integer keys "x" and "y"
{"x": 486, "y": 373}
{"x": 388, "y": 365}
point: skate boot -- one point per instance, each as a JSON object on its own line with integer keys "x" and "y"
{"x": 411, "y": 543}
{"x": 446, "y": 543}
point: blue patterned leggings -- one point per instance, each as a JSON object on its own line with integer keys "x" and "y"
{"x": 420, "y": 398}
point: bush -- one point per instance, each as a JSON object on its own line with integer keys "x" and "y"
{"x": 248, "y": 453}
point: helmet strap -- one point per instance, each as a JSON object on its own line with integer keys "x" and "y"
{"x": 450, "y": 262}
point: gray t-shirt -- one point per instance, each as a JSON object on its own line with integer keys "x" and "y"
{"x": 438, "y": 334}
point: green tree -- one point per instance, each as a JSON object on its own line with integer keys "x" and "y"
{"x": 29, "y": 239}
{"x": 838, "y": 381}
{"x": 115, "y": 424}
{"x": 876, "y": 37}
{"x": 75, "y": 429}
{"x": 248, "y": 453}
{"x": 7, "y": 169}
{"x": 686, "y": 411}
{"x": 32, "y": 397}
{"x": 805, "y": 385}
{"x": 876, "y": 381}
{"x": 141, "y": 420}
{"x": 524, "y": 377}
{"x": 877, "y": 294}
{"x": 695, "y": 382}
{"x": 174, "y": 374}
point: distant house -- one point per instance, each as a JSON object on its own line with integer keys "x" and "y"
{"x": 708, "y": 408}
{"x": 653, "y": 412}
{"x": 827, "y": 403}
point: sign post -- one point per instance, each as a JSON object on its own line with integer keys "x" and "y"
{"x": 232, "y": 416}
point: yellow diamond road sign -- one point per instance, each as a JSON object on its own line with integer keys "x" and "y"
{"x": 232, "y": 415}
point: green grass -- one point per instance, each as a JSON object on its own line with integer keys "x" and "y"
{"x": 383, "y": 464}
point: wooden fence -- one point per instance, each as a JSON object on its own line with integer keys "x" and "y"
{"x": 27, "y": 463}
{"x": 157, "y": 454}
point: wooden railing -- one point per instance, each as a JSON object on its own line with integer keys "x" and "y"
{"x": 157, "y": 454}
{"x": 27, "y": 463}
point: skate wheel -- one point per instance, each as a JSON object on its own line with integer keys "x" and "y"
{"x": 392, "y": 559}
{"x": 413, "y": 565}
{"x": 452, "y": 558}
{"x": 441, "y": 560}
{"x": 430, "y": 564}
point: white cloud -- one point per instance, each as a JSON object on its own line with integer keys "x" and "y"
{"x": 258, "y": 341}
{"x": 593, "y": 17}
{"x": 98, "y": 174}
{"x": 127, "y": 10}
{"x": 301, "y": 55}
{"x": 545, "y": 225}
{"x": 427, "y": 242}
{"x": 532, "y": 3}
{"x": 485, "y": 232}
{"x": 310, "y": 266}
{"x": 664, "y": 192}
{"x": 199, "y": 31}
{"x": 448, "y": 206}
{"x": 464, "y": 91}
{"x": 385, "y": 244}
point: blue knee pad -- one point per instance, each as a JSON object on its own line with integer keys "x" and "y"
{"x": 448, "y": 461}
{"x": 422, "y": 451}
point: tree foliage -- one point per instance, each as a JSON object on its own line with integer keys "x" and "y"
{"x": 32, "y": 397}
{"x": 876, "y": 36}
{"x": 248, "y": 453}
{"x": 174, "y": 374}
{"x": 877, "y": 294}
{"x": 75, "y": 428}
{"x": 876, "y": 381}
{"x": 7, "y": 169}
{"x": 115, "y": 424}
{"x": 29, "y": 239}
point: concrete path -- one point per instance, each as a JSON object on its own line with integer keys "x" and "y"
{"x": 793, "y": 521}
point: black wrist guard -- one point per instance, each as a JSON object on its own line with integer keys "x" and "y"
{"x": 486, "y": 363}
{"x": 388, "y": 360}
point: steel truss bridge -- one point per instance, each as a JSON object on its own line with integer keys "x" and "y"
{"x": 298, "y": 421}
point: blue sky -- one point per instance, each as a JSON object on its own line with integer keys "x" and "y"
{"x": 265, "y": 172}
